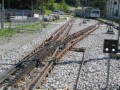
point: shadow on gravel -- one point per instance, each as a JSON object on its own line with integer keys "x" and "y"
{"x": 79, "y": 62}
{"x": 68, "y": 62}
{"x": 90, "y": 60}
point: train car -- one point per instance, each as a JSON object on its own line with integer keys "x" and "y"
{"x": 95, "y": 13}
{"x": 77, "y": 12}
{"x": 88, "y": 12}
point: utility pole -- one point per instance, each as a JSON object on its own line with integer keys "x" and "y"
{"x": 32, "y": 6}
{"x": 108, "y": 73}
{"x": 119, "y": 24}
{"x": 42, "y": 12}
{"x": 8, "y": 3}
{"x": 83, "y": 10}
{"x": 37, "y": 6}
{"x": 2, "y": 15}
{"x": 111, "y": 8}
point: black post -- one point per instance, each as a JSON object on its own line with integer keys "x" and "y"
{"x": 119, "y": 24}
{"x": 110, "y": 29}
{"x": 32, "y": 6}
{"x": 2, "y": 15}
{"x": 113, "y": 10}
{"x": 37, "y": 6}
{"x": 108, "y": 73}
{"x": 42, "y": 12}
{"x": 8, "y": 3}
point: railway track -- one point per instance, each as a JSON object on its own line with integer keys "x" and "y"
{"x": 42, "y": 59}
{"x": 30, "y": 61}
{"x": 57, "y": 58}
{"x": 34, "y": 52}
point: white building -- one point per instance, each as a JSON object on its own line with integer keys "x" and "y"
{"x": 113, "y": 8}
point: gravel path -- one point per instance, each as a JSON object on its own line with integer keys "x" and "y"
{"x": 94, "y": 73}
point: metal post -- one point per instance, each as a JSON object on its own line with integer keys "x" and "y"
{"x": 119, "y": 24}
{"x": 42, "y": 4}
{"x": 82, "y": 11}
{"x": 108, "y": 73}
{"x": 37, "y": 6}
{"x": 8, "y": 3}
{"x": 110, "y": 8}
{"x": 110, "y": 29}
{"x": 2, "y": 16}
{"x": 112, "y": 5}
{"x": 32, "y": 5}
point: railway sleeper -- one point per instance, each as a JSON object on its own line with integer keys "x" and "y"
{"x": 58, "y": 44}
{"x": 78, "y": 49}
{"x": 65, "y": 50}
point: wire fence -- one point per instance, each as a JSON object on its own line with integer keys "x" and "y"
{"x": 20, "y": 19}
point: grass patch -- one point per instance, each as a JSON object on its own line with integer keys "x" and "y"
{"x": 59, "y": 20}
{"x": 30, "y": 27}
{"x": 20, "y": 29}
{"x": 8, "y": 32}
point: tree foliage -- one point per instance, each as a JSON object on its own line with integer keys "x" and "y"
{"x": 70, "y": 2}
{"x": 50, "y": 4}
{"x": 63, "y": 6}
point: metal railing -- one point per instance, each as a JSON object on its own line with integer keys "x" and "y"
{"x": 18, "y": 18}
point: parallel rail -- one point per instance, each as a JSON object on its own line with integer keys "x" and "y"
{"x": 79, "y": 36}
{"x": 47, "y": 48}
{"x": 31, "y": 60}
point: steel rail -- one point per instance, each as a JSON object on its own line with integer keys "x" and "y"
{"x": 14, "y": 68}
{"x": 55, "y": 60}
{"x": 42, "y": 74}
{"x": 52, "y": 48}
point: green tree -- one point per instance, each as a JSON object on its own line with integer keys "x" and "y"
{"x": 42, "y": 5}
{"x": 50, "y": 4}
{"x": 64, "y": 6}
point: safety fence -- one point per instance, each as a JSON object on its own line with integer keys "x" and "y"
{"x": 20, "y": 19}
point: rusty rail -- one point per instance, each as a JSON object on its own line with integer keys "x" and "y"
{"x": 48, "y": 50}
{"x": 71, "y": 43}
{"x": 30, "y": 60}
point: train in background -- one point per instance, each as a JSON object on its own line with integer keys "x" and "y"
{"x": 87, "y": 12}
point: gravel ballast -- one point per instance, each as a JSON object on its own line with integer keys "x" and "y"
{"x": 95, "y": 70}
{"x": 65, "y": 72}
{"x": 20, "y": 45}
